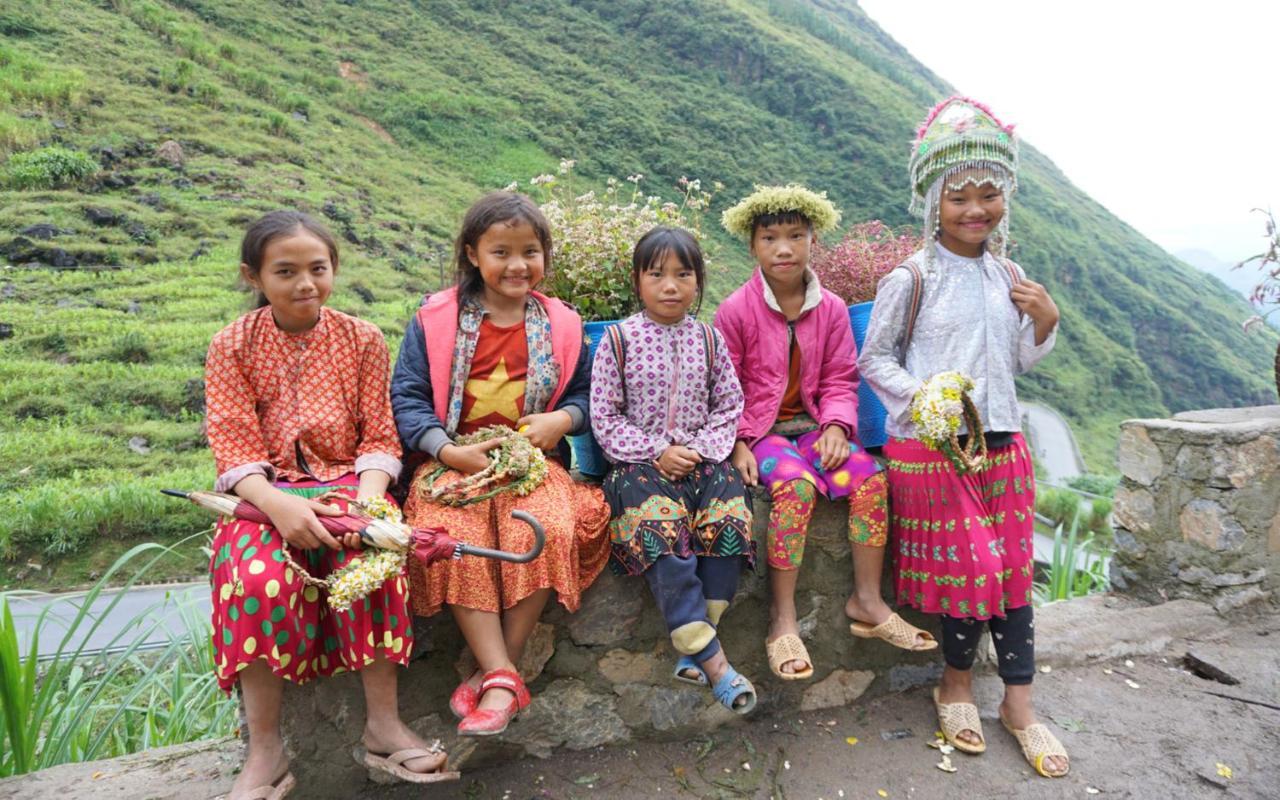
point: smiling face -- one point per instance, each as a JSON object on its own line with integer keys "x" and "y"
{"x": 782, "y": 249}
{"x": 968, "y": 215}
{"x": 511, "y": 261}
{"x": 296, "y": 278}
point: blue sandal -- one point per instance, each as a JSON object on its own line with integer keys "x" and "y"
{"x": 730, "y": 687}
{"x": 687, "y": 662}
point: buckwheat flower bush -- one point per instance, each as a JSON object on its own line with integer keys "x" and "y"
{"x": 853, "y": 267}
{"x": 594, "y": 234}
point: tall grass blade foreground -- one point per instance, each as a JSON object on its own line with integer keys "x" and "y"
{"x": 72, "y": 705}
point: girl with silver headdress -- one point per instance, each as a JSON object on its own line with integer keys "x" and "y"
{"x": 964, "y": 535}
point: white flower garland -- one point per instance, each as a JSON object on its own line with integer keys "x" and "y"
{"x": 938, "y": 409}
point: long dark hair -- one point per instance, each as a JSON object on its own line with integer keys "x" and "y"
{"x": 272, "y": 226}
{"x": 495, "y": 208}
{"x": 653, "y": 248}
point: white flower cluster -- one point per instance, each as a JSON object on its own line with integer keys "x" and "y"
{"x": 363, "y": 575}
{"x": 938, "y": 408}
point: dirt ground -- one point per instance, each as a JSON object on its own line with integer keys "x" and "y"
{"x": 1164, "y": 739}
{"x": 1168, "y": 736}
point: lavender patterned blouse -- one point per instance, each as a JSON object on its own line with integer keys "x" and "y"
{"x": 667, "y": 398}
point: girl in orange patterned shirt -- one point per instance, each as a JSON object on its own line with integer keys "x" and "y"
{"x": 298, "y": 404}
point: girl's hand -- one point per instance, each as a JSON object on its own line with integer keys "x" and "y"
{"x": 295, "y": 518}
{"x": 1033, "y": 300}
{"x": 677, "y": 461}
{"x": 744, "y": 461}
{"x": 468, "y": 459}
{"x": 832, "y": 447}
{"x": 545, "y": 431}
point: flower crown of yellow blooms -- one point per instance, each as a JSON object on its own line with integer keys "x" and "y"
{"x": 813, "y": 206}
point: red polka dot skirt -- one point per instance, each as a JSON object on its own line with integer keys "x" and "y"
{"x": 263, "y": 610}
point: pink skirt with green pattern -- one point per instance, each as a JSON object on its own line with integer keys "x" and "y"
{"x": 963, "y": 542}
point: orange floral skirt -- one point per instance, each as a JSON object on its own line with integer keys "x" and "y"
{"x": 575, "y": 516}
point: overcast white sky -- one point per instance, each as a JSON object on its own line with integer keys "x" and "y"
{"x": 1167, "y": 113}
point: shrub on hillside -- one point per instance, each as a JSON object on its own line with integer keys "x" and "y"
{"x": 869, "y": 251}
{"x": 48, "y": 168}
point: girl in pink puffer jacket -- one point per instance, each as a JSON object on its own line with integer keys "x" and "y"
{"x": 793, "y": 349}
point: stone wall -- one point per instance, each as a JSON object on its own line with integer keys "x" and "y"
{"x": 1198, "y": 510}
{"x": 603, "y": 675}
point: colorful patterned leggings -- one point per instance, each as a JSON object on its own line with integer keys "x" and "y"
{"x": 793, "y": 503}
{"x": 1014, "y": 636}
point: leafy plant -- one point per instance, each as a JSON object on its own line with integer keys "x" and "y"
{"x": 48, "y": 168}
{"x": 594, "y": 235}
{"x": 1064, "y": 576}
{"x": 75, "y": 706}
{"x": 853, "y": 267}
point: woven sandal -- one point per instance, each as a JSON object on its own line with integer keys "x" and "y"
{"x": 393, "y": 764}
{"x": 788, "y": 647}
{"x": 956, "y": 717}
{"x": 276, "y": 790}
{"x": 896, "y": 631}
{"x": 1038, "y": 743}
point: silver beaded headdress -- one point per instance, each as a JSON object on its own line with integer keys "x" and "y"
{"x": 962, "y": 142}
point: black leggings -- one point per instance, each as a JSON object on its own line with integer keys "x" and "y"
{"x": 1014, "y": 637}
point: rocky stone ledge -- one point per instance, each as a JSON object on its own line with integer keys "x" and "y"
{"x": 1198, "y": 509}
{"x": 603, "y": 676}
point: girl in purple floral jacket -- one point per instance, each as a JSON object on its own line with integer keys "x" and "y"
{"x": 665, "y": 403}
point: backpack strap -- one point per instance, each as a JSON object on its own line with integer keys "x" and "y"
{"x": 913, "y": 311}
{"x": 709, "y": 350}
{"x": 618, "y": 344}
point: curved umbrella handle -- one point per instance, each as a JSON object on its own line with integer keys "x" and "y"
{"x": 539, "y": 539}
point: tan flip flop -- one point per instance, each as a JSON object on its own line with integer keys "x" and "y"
{"x": 896, "y": 631}
{"x": 788, "y": 647}
{"x": 956, "y": 717}
{"x": 393, "y": 764}
{"x": 277, "y": 790}
{"x": 1038, "y": 743}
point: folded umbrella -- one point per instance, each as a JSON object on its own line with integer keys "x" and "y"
{"x": 426, "y": 544}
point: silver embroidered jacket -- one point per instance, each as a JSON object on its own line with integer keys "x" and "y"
{"x": 966, "y": 323}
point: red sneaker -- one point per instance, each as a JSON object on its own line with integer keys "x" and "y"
{"x": 489, "y": 721}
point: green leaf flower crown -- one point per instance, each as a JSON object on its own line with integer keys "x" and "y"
{"x": 813, "y": 206}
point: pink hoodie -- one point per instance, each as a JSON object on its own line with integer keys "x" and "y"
{"x": 755, "y": 331}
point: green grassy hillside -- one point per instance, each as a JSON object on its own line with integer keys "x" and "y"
{"x": 387, "y": 118}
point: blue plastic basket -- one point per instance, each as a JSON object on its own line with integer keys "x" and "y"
{"x": 871, "y": 412}
{"x": 588, "y": 458}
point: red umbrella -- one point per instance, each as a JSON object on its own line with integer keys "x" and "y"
{"x": 426, "y": 544}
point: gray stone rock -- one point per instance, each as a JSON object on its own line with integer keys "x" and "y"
{"x": 1208, "y": 524}
{"x": 1134, "y": 509}
{"x": 1195, "y": 575}
{"x": 909, "y": 676}
{"x": 567, "y": 714}
{"x": 1227, "y": 579}
{"x": 1193, "y": 462}
{"x": 1140, "y": 459}
{"x": 610, "y": 610}
{"x": 840, "y": 688}
{"x": 170, "y": 153}
{"x": 623, "y": 666}
{"x": 1104, "y": 627}
{"x": 665, "y": 709}
{"x": 1233, "y": 601}
{"x": 1128, "y": 544}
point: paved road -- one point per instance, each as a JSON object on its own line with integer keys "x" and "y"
{"x": 157, "y": 608}
{"x": 1051, "y": 441}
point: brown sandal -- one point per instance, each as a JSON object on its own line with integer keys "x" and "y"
{"x": 956, "y": 717}
{"x": 788, "y": 647}
{"x": 276, "y": 790}
{"x": 1038, "y": 743}
{"x": 393, "y": 764}
{"x": 896, "y": 631}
